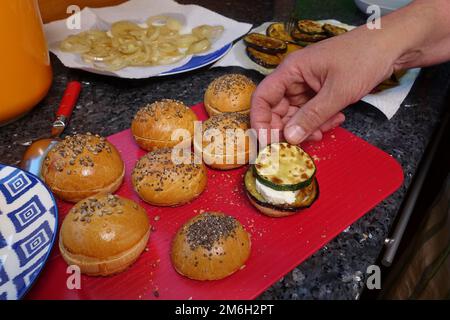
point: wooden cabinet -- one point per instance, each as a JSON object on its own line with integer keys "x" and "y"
{"x": 57, "y": 9}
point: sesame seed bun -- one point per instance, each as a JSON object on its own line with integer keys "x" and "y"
{"x": 229, "y": 93}
{"x": 210, "y": 246}
{"x": 218, "y": 158}
{"x": 104, "y": 234}
{"x": 161, "y": 182}
{"x": 82, "y": 165}
{"x": 153, "y": 124}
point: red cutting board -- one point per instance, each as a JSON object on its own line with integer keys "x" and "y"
{"x": 353, "y": 175}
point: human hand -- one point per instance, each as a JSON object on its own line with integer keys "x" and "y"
{"x": 303, "y": 97}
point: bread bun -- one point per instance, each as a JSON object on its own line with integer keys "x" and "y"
{"x": 82, "y": 165}
{"x": 232, "y": 127}
{"x": 161, "y": 182}
{"x": 210, "y": 246}
{"x": 271, "y": 211}
{"x": 153, "y": 124}
{"x": 104, "y": 234}
{"x": 229, "y": 93}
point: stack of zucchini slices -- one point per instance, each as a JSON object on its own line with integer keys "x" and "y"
{"x": 269, "y": 50}
{"x": 282, "y": 181}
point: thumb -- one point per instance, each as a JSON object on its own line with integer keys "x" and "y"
{"x": 310, "y": 117}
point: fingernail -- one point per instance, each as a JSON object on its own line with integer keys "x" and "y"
{"x": 294, "y": 134}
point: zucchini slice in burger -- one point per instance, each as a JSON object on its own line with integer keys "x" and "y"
{"x": 284, "y": 167}
{"x": 309, "y": 27}
{"x": 333, "y": 30}
{"x": 265, "y": 60}
{"x": 304, "y": 198}
{"x": 276, "y": 30}
{"x": 264, "y": 43}
{"x": 282, "y": 180}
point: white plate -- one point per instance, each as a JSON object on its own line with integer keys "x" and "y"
{"x": 200, "y": 61}
{"x": 138, "y": 11}
{"x": 28, "y": 224}
{"x": 386, "y": 6}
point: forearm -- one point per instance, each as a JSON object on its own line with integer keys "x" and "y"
{"x": 305, "y": 94}
{"x": 420, "y": 32}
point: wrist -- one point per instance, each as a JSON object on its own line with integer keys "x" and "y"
{"x": 417, "y": 29}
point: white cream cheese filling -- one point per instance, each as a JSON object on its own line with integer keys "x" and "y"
{"x": 275, "y": 196}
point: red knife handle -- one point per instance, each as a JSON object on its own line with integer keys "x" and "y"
{"x": 69, "y": 99}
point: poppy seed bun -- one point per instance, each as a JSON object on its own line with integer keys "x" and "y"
{"x": 82, "y": 165}
{"x": 210, "y": 246}
{"x": 161, "y": 182}
{"x": 229, "y": 93}
{"x": 230, "y": 126}
{"x": 153, "y": 124}
{"x": 104, "y": 234}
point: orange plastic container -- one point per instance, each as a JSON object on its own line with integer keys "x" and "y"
{"x": 25, "y": 71}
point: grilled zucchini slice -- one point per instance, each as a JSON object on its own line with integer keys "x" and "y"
{"x": 284, "y": 167}
{"x": 333, "y": 30}
{"x": 397, "y": 75}
{"x": 303, "y": 43}
{"x": 391, "y": 82}
{"x": 276, "y": 30}
{"x": 265, "y": 60}
{"x": 305, "y": 197}
{"x": 264, "y": 43}
{"x": 291, "y": 47}
{"x": 310, "y": 27}
{"x": 305, "y": 37}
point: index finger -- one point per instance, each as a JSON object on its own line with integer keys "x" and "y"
{"x": 267, "y": 95}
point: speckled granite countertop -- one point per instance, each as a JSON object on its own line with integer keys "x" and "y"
{"x": 337, "y": 271}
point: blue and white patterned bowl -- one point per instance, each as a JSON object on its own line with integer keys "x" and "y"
{"x": 28, "y": 224}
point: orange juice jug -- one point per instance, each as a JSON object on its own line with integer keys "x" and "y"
{"x": 25, "y": 71}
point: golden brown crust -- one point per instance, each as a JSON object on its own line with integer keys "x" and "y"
{"x": 212, "y": 111}
{"x": 83, "y": 165}
{"x": 105, "y": 267}
{"x": 151, "y": 144}
{"x": 224, "y": 166}
{"x": 77, "y": 195}
{"x": 229, "y": 93}
{"x": 104, "y": 234}
{"x": 153, "y": 124}
{"x": 160, "y": 181}
{"x": 210, "y": 246}
{"x": 224, "y": 124}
